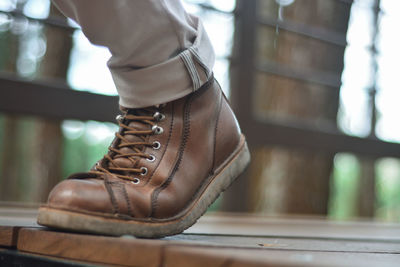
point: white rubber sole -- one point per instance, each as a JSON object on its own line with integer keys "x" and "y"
{"x": 82, "y": 222}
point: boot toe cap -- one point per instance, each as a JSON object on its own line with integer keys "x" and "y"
{"x": 87, "y": 195}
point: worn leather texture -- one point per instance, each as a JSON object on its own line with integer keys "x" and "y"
{"x": 199, "y": 133}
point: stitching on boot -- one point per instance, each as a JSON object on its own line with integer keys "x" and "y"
{"x": 126, "y": 197}
{"x": 215, "y": 132}
{"x": 119, "y": 187}
{"x": 212, "y": 171}
{"x": 166, "y": 144}
{"x": 108, "y": 186}
{"x": 186, "y": 131}
{"x": 185, "y": 135}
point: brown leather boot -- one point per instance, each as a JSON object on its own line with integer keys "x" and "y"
{"x": 166, "y": 165}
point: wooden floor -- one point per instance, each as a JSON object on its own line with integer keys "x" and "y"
{"x": 216, "y": 240}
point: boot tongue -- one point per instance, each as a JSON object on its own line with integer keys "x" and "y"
{"x": 137, "y": 125}
{"x": 149, "y": 111}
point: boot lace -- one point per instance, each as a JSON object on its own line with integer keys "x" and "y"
{"x": 109, "y": 165}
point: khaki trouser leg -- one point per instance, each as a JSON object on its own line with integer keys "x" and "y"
{"x": 159, "y": 52}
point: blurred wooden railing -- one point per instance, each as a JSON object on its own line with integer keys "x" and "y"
{"x": 55, "y": 100}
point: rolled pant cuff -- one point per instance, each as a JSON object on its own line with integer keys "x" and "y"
{"x": 169, "y": 80}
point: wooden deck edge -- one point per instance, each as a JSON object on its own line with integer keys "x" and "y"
{"x": 129, "y": 251}
{"x": 9, "y": 236}
{"x": 91, "y": 248}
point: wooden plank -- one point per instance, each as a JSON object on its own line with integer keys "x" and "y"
{"x": 294, "y": 226}
{"x": 8, "y": 236}
{"x": 235, "y": 240}
{"x": 11, "y": 257}
{"x": 203, "y": 250}
{"x": 205, "y": 256}
{"x": 90, "y": 248}
{"x": 262, "y": 132}
{"x": 53, "y": 99}
{"x": 315, "y": 32}
{"x": 328, "y": 79}
{"x": 18, "y": 216}
{"x": 241, "y": 224}
{"x": 11, "y": 220}
{"x": 253, "y": 225}
{"x": 287, "y": 243}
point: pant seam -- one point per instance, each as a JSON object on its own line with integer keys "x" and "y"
{"x": 187, "y": 60}
{"x": 200, "y": 62}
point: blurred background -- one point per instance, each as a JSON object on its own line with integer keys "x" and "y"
{"x": 313, "y": 83}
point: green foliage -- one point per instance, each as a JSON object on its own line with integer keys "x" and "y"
{"x": 25, "y": 152}
{"x": 388, "y": 189}
{"x": 81, "y": 148}
{"x": 1, "y": 140}
{"x": 344, "y": 186}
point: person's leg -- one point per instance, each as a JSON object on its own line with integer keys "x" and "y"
{"x": 159, "y": 52}
{"x": 179, "y": 144}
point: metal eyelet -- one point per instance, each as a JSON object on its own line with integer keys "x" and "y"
{"x": 143, "y": 171}
{"x": 156, "y": 145}
{"x": 158, "y": 116}
{"x": 119, "y": 117}
{"x": 157, "y": 129}
{"x": 151, "y": 158}
{"x": 135, "y": 181}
